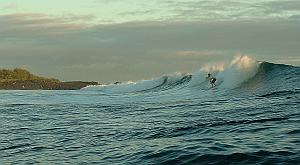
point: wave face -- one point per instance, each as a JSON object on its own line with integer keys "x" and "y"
{"x": 251, "y": 117}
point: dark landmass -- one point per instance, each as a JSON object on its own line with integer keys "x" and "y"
{"x": 20, "y": 79}
{"x": 43, "y": 85}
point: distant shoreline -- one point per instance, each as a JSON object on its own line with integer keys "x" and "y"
{"x": 43, "y": 85}
{"x": 20, "y": 79}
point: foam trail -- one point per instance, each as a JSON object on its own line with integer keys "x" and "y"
{"x": 239, "y": 70}
{"x": 134, "y": 86}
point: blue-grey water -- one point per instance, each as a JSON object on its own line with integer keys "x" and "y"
{"x": 174, "y": 119}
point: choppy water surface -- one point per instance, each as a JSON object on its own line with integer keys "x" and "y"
{"x": 175, "y": 119}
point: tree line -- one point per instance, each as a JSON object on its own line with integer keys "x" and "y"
{"x": 20, "y": 74}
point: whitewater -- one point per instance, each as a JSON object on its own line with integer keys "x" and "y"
{"x": 251, "y": 117}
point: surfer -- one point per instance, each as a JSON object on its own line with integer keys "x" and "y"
{"x": 212, "y": 80}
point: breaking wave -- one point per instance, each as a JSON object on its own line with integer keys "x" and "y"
{"x": 241, "y": 72}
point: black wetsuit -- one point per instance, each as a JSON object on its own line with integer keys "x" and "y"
{"x": 213, "y": 80}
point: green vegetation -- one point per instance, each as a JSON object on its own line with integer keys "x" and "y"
{"x": 20, "y": 74}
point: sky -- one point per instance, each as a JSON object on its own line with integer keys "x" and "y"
{"x": 129, "y": 40}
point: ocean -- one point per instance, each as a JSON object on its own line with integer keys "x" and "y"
{"x": 252, "y": 116}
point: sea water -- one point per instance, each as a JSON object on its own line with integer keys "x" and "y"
{"x": 251, "y": 117}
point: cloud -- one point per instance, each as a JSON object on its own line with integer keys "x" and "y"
{"x": 107, "y": 1}
{"x": 207, "y": 10}
{"x": 10, "y": 6}
{"x": 91, "y": 66}
{"x": 43, "y": 20}
{"x": 56, "y": 46}
{"x": 191, "y": 53}
{"x": 295, "y": 17}
{"x": 134, "y": 13}
{"x": 279, "y": 6}
{"x": 39, "y": 28}
{"x": 226, "y": 10}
